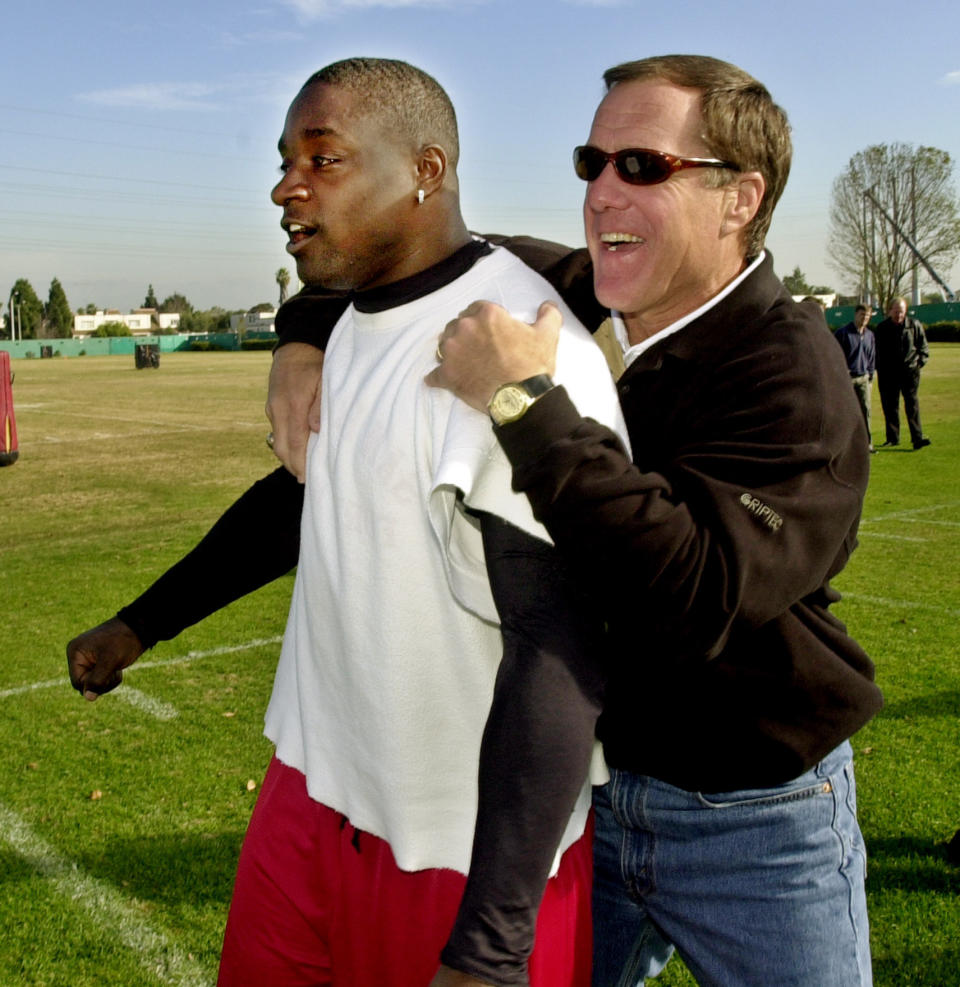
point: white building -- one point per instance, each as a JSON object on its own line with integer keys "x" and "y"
{"x": 140, "y": 322}
{"x": 253, "y": 322}
{"x": 827, "y": 301}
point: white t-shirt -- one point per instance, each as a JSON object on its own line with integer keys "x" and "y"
{"x": 391, "y": 648}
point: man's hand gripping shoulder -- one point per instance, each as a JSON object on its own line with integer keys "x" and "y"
{"x": 485, "y": 347}
{"x": 293, "y": 402}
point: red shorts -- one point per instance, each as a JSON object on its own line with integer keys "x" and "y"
{"x": 317, "y": 902}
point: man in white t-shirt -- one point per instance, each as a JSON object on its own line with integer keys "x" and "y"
{"x": 419, "y": 568}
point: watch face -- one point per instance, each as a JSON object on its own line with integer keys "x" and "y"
{"x": 510, "y": 402}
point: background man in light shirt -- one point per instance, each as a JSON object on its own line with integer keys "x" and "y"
{"x": 860, "y": 351}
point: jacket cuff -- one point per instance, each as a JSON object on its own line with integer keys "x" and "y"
{"x": 551, "y": 418}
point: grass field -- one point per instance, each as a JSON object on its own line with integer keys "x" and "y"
{"x": 120, "y": 821}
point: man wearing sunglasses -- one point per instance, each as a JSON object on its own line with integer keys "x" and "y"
{"x": 728, "y": 829}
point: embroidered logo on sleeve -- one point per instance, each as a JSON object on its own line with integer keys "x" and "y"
{"x": 762, "y": 512}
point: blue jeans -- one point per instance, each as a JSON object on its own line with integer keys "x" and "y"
{"x": 762, "y": 887}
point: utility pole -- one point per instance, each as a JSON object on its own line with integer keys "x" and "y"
{"x": 915, "y": 288}
{"x": 894, "y": 253}
{"x": 948, "y": 292}
{"x": 13, "y": 304}
{"x": 865, "y": 280}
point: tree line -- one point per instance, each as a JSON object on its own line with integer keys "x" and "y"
{"x": 35, "y": 319}
{"x": 54, "y": 318}
{"x": 797, "y": 284}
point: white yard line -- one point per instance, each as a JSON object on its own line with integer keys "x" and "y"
{"x": 884, "y": 601}
{"x": 141, "y": 700}
{"x": 884, "y": 537}
{"x": 19, "y": 690}
{"x": 108, "y": 907}
{"x": 211, "y": 425}
{"x": 929, "y": 520}
{"x": 227, "y": 649}
{"x": 905, "y": 515}
{"x": 146, "y": 704}
{"x": 915, "y": 516}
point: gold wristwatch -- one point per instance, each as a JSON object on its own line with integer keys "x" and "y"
{"x": 511, "y": 401}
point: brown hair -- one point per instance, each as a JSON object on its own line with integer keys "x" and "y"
{"x": 410, "y": 102}
{"x": 741, "y": 123}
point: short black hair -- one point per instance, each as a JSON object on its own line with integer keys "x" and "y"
{"x": 409, "y": 100}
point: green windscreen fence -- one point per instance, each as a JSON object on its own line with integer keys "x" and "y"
{"x": 126, "y": 345}
{"x": 927, "y": 314}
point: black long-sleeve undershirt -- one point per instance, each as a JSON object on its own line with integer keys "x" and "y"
{"x": 256, "y": 540}
{"x": 536, "y": 749}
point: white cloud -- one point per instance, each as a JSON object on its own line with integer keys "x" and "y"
{"x": 951, "y": 79}
{"x": 311, "y": 9}
{"x": 156, "y": 96}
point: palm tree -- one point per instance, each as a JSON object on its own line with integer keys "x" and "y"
{"x": 283, "y": 279}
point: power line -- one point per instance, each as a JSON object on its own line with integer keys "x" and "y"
{"x": 168, "y": 149}
{"x": 118, "y": 123}
{"x": 127, "y": 178}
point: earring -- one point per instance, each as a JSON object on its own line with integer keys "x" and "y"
{"x": 419, "y": 196}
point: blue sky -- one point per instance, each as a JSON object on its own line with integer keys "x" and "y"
{"x": 138, "y": 140}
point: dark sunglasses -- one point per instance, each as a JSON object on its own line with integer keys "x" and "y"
{"x": 637, "y": 165}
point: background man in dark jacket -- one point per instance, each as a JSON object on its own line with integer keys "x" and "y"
{"x": 902, "y": 352}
